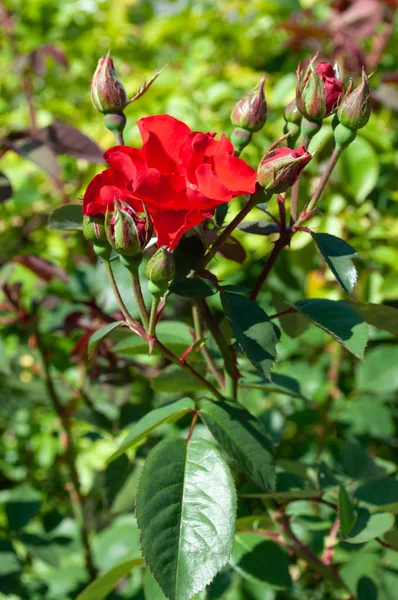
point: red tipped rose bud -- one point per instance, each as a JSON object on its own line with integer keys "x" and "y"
{"x": 127, "y": 233}
{"x": 250, "y": 112}
{"x": 248, "y": 116}
{"x": 317, "y": 91}
{"x": 280, "y": 168}
{"x": 107, "y": 92}
{"x": 354, "y": 110}
{"x": 160, "y": 270}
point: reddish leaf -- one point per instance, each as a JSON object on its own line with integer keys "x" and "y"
{"x": 65, "y": 139}
{"x": 44, "y": 269}
{"x": 37, "y": 58}
{"x": 37, "y": 152}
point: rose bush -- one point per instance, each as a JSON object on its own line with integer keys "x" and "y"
{"x": 180, "y": 176}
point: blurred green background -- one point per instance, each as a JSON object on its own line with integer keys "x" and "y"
{"x": 215, "y": 51}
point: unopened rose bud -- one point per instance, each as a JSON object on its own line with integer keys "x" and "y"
{"x": 280, "y": 168}
{"x": 160, "y": 270}
{"x": 107, "y": 91}
{"x": 94, "y": 228}
{"x": 250, "y": 112}
{"x": 126, "y": 232}
{"x": 317, "y": 91}
{"x": 354, "y": 110}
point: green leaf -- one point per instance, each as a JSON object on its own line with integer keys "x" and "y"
{"x": 293, "y": 324}
{"x": 120, "y": 541}
{"x": 338, "y": 254}
{"x": 379, "y": 315}
{"x": 100, "y": 588}
{"x": 288, "y": 495}
{"x": 254, "y": 332}
{"x": 186, "y": 508}
{"x": 9, "y": 562}
{"x": 359, "y": 182}
{"x": 193, "y": 288}
{"x": 257, "y": 558}
{"x": 280, "y": 383}
{"x": 243, "y": 438}
{"x": 368, "y": 527}
{"x": 173, "y": 334}
{"x": 187, "y": 256}
{"x": 169, "y": 413}
{"x": 339, "y": 320}
{"x": 68, "y": 217}
{"x": 99, "y": 335}
{"x": 391, "y": 538}
{"x": 173, "y": 379}
{"x": 22, "y": 505}
{"x": 379, "y": 372}
{"x": 346, "y": 512}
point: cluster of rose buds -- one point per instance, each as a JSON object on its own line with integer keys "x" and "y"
{"x": 124, "y": 204}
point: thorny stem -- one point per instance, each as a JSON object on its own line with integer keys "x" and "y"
{"x": 279, "y": 245}
{"x": 139, "y": 298}
{"x": 152, "y": 319}
{"x": 70, "y": 455}
{"x": 199, "y": 333}
{"x": 112, "y": 281}
{"x": 165, "y": 351}
{"x": 321, "y": 185}
{"x": 307, "y": 554}
{"x": 220, "y": 241}
{"x": 230, "y": 370}
{"x": 327, "y": 556}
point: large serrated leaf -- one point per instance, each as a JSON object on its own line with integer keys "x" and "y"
{"x": 338, "y": 254}
{"x": 99, "y": 335}
{"x": 339, "y": 320}
{"x": 254, "y": 332}
{"x": 193, "y": 288}
{"x": 164, "y": 414}
{"x": 186, "y": 509}
{"x": 280, "y": 383}
{"x": 100, "y": 588}
{"x": 68, "y": 217}
{"x": 243, "y": 438}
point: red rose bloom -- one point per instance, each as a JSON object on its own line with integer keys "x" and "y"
{"x": 333, "y": 87}
{"x": 180, "y": 175}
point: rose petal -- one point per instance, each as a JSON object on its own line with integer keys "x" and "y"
{"x": 170, "y": 131}
{"x": 156, "y": 156}
{"x": 157, "y": 190}
{"x": 209, "y": 184}
{"x": 102, "y": 191}
{"x": 235, "y": 174}
{"x": 171, "y": 225}
{"x": 127, "y": 161}
{"x": 221, "y": 146}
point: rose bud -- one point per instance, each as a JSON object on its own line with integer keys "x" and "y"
{"x": 279, "y": 168}
{"x": 249, "y": 115}
{"x": 94, "y": 228}
{"x": 126, "y": 232}
{"x": 317, "y": 91}
{"x": 160, "y": 270}
{"x": 107, "y": 92}
{"x": 250, "y": 112}
{"x": 354, "y": 110}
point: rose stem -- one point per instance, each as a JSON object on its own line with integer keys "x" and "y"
{"x": 321, "y": 185}
{"x": 139, "y": 298}
{"x": 230, "y": 372}
{"x": 70, "y": 455}
{"x": 199, "y": 333}
{"x": 152, "y": 319}
{"x": 279, "y": 245}
{"x": 165, "y": 351}
{"x": 115, "y": 289}
{"x": 220, "y": 241}
{"x": 294, "y": 201}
